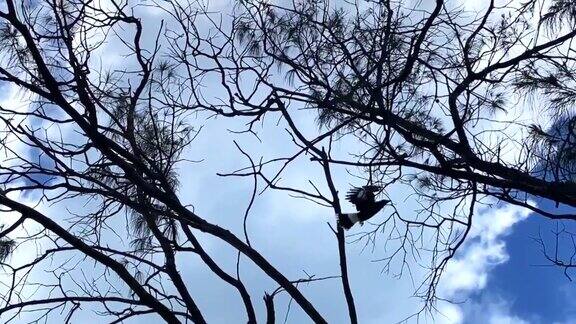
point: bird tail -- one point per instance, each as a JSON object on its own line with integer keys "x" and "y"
{"x": 347, "y": 220}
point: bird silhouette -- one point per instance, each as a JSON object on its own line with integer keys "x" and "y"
{"x": 366, "y": 204}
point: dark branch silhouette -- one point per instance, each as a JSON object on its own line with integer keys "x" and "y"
{"x": 420, "y": 100}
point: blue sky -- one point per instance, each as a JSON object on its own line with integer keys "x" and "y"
{"x": 534, "y": 290}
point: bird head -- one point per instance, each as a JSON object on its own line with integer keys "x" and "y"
{"x": 381, "y": 203}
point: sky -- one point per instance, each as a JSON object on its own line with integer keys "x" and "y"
{"x": 497, "y": 277}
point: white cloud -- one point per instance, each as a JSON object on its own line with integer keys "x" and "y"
{"x": 489, "y": 310}
{"x": 450, "y": 314}
{"x": 469, "y": 271}
{"x": 495, "y": 311}
{"x": 506, "y": 319}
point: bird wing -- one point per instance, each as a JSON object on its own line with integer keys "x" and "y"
{"x": 353, "y": 195}
{"x": 360, "y": 196}
{"x": 372, "y": 188}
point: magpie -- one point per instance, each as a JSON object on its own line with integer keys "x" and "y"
{"x": 366, "y": 205}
